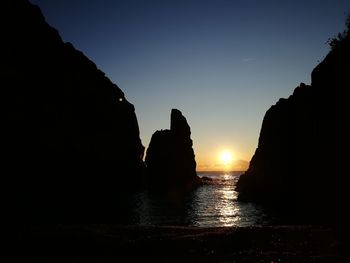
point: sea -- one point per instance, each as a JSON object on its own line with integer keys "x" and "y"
{"x": 212, "y": 205}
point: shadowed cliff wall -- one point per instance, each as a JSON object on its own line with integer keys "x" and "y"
{"x": 72, "y": 138}
{"x": 302, "y": 155}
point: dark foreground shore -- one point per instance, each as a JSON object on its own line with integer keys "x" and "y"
{"x": 113, "y": 243}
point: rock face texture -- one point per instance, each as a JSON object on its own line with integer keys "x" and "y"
{"x": 170, "y": 159}
{"x": 69, "y": 128}
{"x": 302, "y": 155}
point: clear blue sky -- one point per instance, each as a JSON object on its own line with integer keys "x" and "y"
{"x": 223, "y": 63}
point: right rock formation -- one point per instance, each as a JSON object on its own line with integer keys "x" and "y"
{"x": 170, "y": 158}
{"x": 302, "y": 156}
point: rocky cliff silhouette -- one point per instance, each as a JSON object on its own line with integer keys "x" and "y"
{"x": 72, "y": 137}
{"x": 302, "y": 156}
{"x": 170, "y": 158}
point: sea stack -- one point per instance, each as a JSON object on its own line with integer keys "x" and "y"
{"x": 72, "y": 136}
{"x": 170, "y": 158}
{"x": 302, "y": 157}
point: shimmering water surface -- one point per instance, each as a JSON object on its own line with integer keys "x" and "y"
{"x": 210, "y": 205}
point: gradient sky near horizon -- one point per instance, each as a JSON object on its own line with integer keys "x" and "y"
{"x": 222, "y": 63}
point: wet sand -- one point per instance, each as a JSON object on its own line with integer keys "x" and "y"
{"x": 114, "y": 243}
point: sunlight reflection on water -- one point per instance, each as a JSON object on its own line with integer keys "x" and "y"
{"x": 210, "y": 205}
{"x": 216, "y": 204}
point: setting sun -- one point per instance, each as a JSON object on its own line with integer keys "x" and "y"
{"x": 226, "y": 157}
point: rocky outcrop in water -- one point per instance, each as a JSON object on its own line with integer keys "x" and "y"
{"x": 72, "y": 137}
{"x": 170, "y": 159}
{"x": 302, "y": 155}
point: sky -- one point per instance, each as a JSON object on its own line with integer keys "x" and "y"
{"x": 222, "y": 63}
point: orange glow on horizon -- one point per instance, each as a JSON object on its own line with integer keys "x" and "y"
{"x": 226, "y": 157}
{"x": 221, "y": 158}
{"x": 221, "y": 161}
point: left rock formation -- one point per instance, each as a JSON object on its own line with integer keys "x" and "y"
{"x": 72, "y": 137}
{"x": 170, "y": 158}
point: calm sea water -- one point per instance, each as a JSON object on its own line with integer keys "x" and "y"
{"x": 211, "y": 205}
